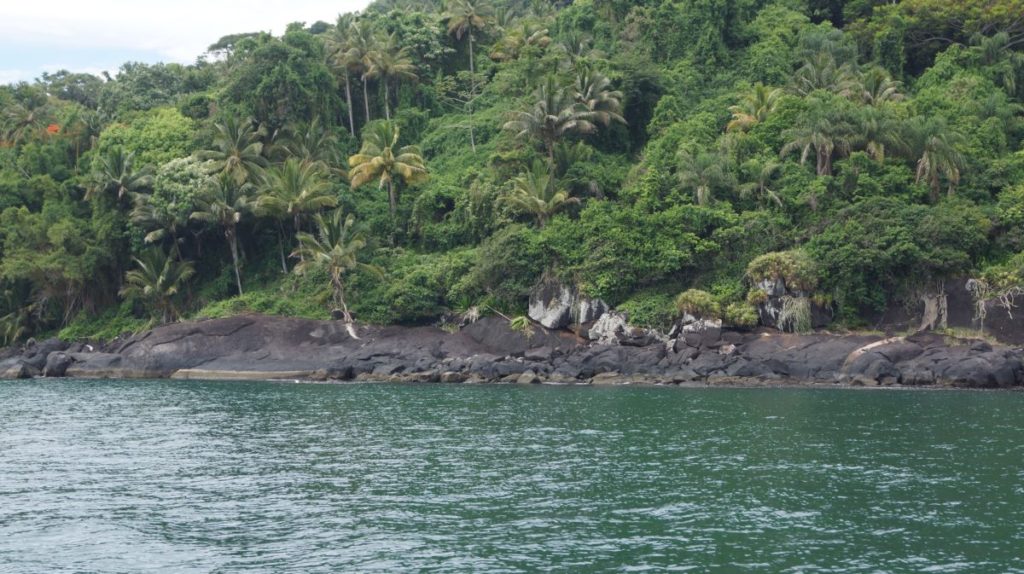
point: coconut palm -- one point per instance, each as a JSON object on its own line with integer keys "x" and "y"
{"x": 225, "y": 203}
{"x": 336, "y": 247}
{"x": 465, "y": 18}
{"x": 159, "y": 221}
{"x": 935, "y": 144}
{"x": 378, "y": 160}
{"x": 362, "y": 44}
{"x": 823, "y": 132}
{"x": 592, "y": 89}
{"x": 158, "y": 280}
{"x": 237, "y": 150}
{"x": 115, "y": 172}
{"x": 758, "y": 175}
{"x": 390, "y": 63}
{"x": 517, "y": 39}
{"x": 20, "y": 121}
{"x": 702, "y": 173}
{"x": 316, "y": 144}
{"x": 754, "y": 108}
{"x": 554, "y": 114}
{"x": 295, "y": 189}
{"x": 534, "y": 191}
{"x": 339, "y": 42}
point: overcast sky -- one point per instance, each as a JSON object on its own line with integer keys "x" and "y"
{"x": 96, "y": 35}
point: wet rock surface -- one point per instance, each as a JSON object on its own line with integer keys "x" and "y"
{"x": 488, "y": 351}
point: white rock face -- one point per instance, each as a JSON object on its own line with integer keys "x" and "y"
{"x": 557, "y": 306}
{"x": 613, "y": 328}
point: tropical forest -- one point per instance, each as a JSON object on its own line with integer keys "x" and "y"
{"x": 424, "y": 158}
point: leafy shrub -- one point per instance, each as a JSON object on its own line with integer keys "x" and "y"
{"x": 650, "y": 308}
{"x": 698, "y": 303}
{"x": 795, "y": 268}
{"x": 740, "y": 315}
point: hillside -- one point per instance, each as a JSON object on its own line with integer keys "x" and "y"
{"x": 423, "y": 159}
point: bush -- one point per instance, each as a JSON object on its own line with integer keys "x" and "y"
{"x": 740, "y": 315}
{"x": 795, "y": 268}
{"x": 700, "y": 304}
{"x": 650, "y": 308}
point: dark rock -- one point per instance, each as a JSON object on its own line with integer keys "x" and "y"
{"x": 57, "y": 364}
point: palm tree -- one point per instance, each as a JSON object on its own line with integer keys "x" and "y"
{"x": 593, "y": 90}
{"x": 22, "y": 120}
{"x": 293, "y": 190}
{"x": 362, "y": 44}
{"x": 339, "y": 43}
{"x": 158, "y": 280}
{"x": 465, "y": 17}
{"x": 554, "y": 114}
{"x": 877, "y": 132}
{"x": 378, "y": 161}
{"x": 534, "y": 191}
{"x": 934, "y": 145}
{"x": 237, "y": 150}
{"x": 115, "y": 171}
{"x": 754, "y": 108}
{"x": 877, "y": 88}
{"x": 514, "y": 41}
{"x": 820, "y": 72}
{"x": 823, "y": 132}
{"x": 160, "y": 221}
{"x": 224, "y": 203}
{"x": 390, "y": 63}
{"x": 702, "y": 173}
{"x": 335, "y": 247}
{"x": 314, "y": 144}
{"x": 758, "y": 175}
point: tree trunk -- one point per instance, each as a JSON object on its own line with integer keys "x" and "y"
{"x": 339, "y": 299}
{"x": 387, "y": 105}
{"x": 234, "y": 257}
{"x": 366, "y": 100}
{"x": 348, "y": 98}
{"x": 472, "y": 93}
{"x": 392, "y": 198}
{"x": 280, "y": 245}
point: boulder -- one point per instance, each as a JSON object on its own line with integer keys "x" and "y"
{"x": 528, "y": 378}
{"x": 17, "y": 369}
{"x": 57, "y": 364}
{"x": 613, "y": 328}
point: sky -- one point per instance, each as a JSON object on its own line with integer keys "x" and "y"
{"x": 96, "y": 35}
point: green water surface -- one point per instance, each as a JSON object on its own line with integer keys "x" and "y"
{"x": 108, "y": 476}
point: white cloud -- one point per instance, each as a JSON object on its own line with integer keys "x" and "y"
{"x": 179, "y": 31}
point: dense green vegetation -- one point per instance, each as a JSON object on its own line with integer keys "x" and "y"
{"x": 425, "y": 157}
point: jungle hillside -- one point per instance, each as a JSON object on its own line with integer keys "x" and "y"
{"x": 424, "y": 159}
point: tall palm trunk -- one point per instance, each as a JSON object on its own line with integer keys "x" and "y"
{"x": 366, "y": 100}
{"x": 387, "y": 96}
{"x": 392, "y": 198}
{"x": 472, "y": 93}
{"x": 348, "y": 99}
{"x": 280, "y": 246}
{"x": 233, "y": 242}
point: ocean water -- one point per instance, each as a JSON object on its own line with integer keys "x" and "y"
{"x": 165, "y": 476}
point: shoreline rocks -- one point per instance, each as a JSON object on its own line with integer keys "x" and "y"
{"x": 261, "y": 347}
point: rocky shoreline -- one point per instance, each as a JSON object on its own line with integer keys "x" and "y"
{"x": 262, "y": 347}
